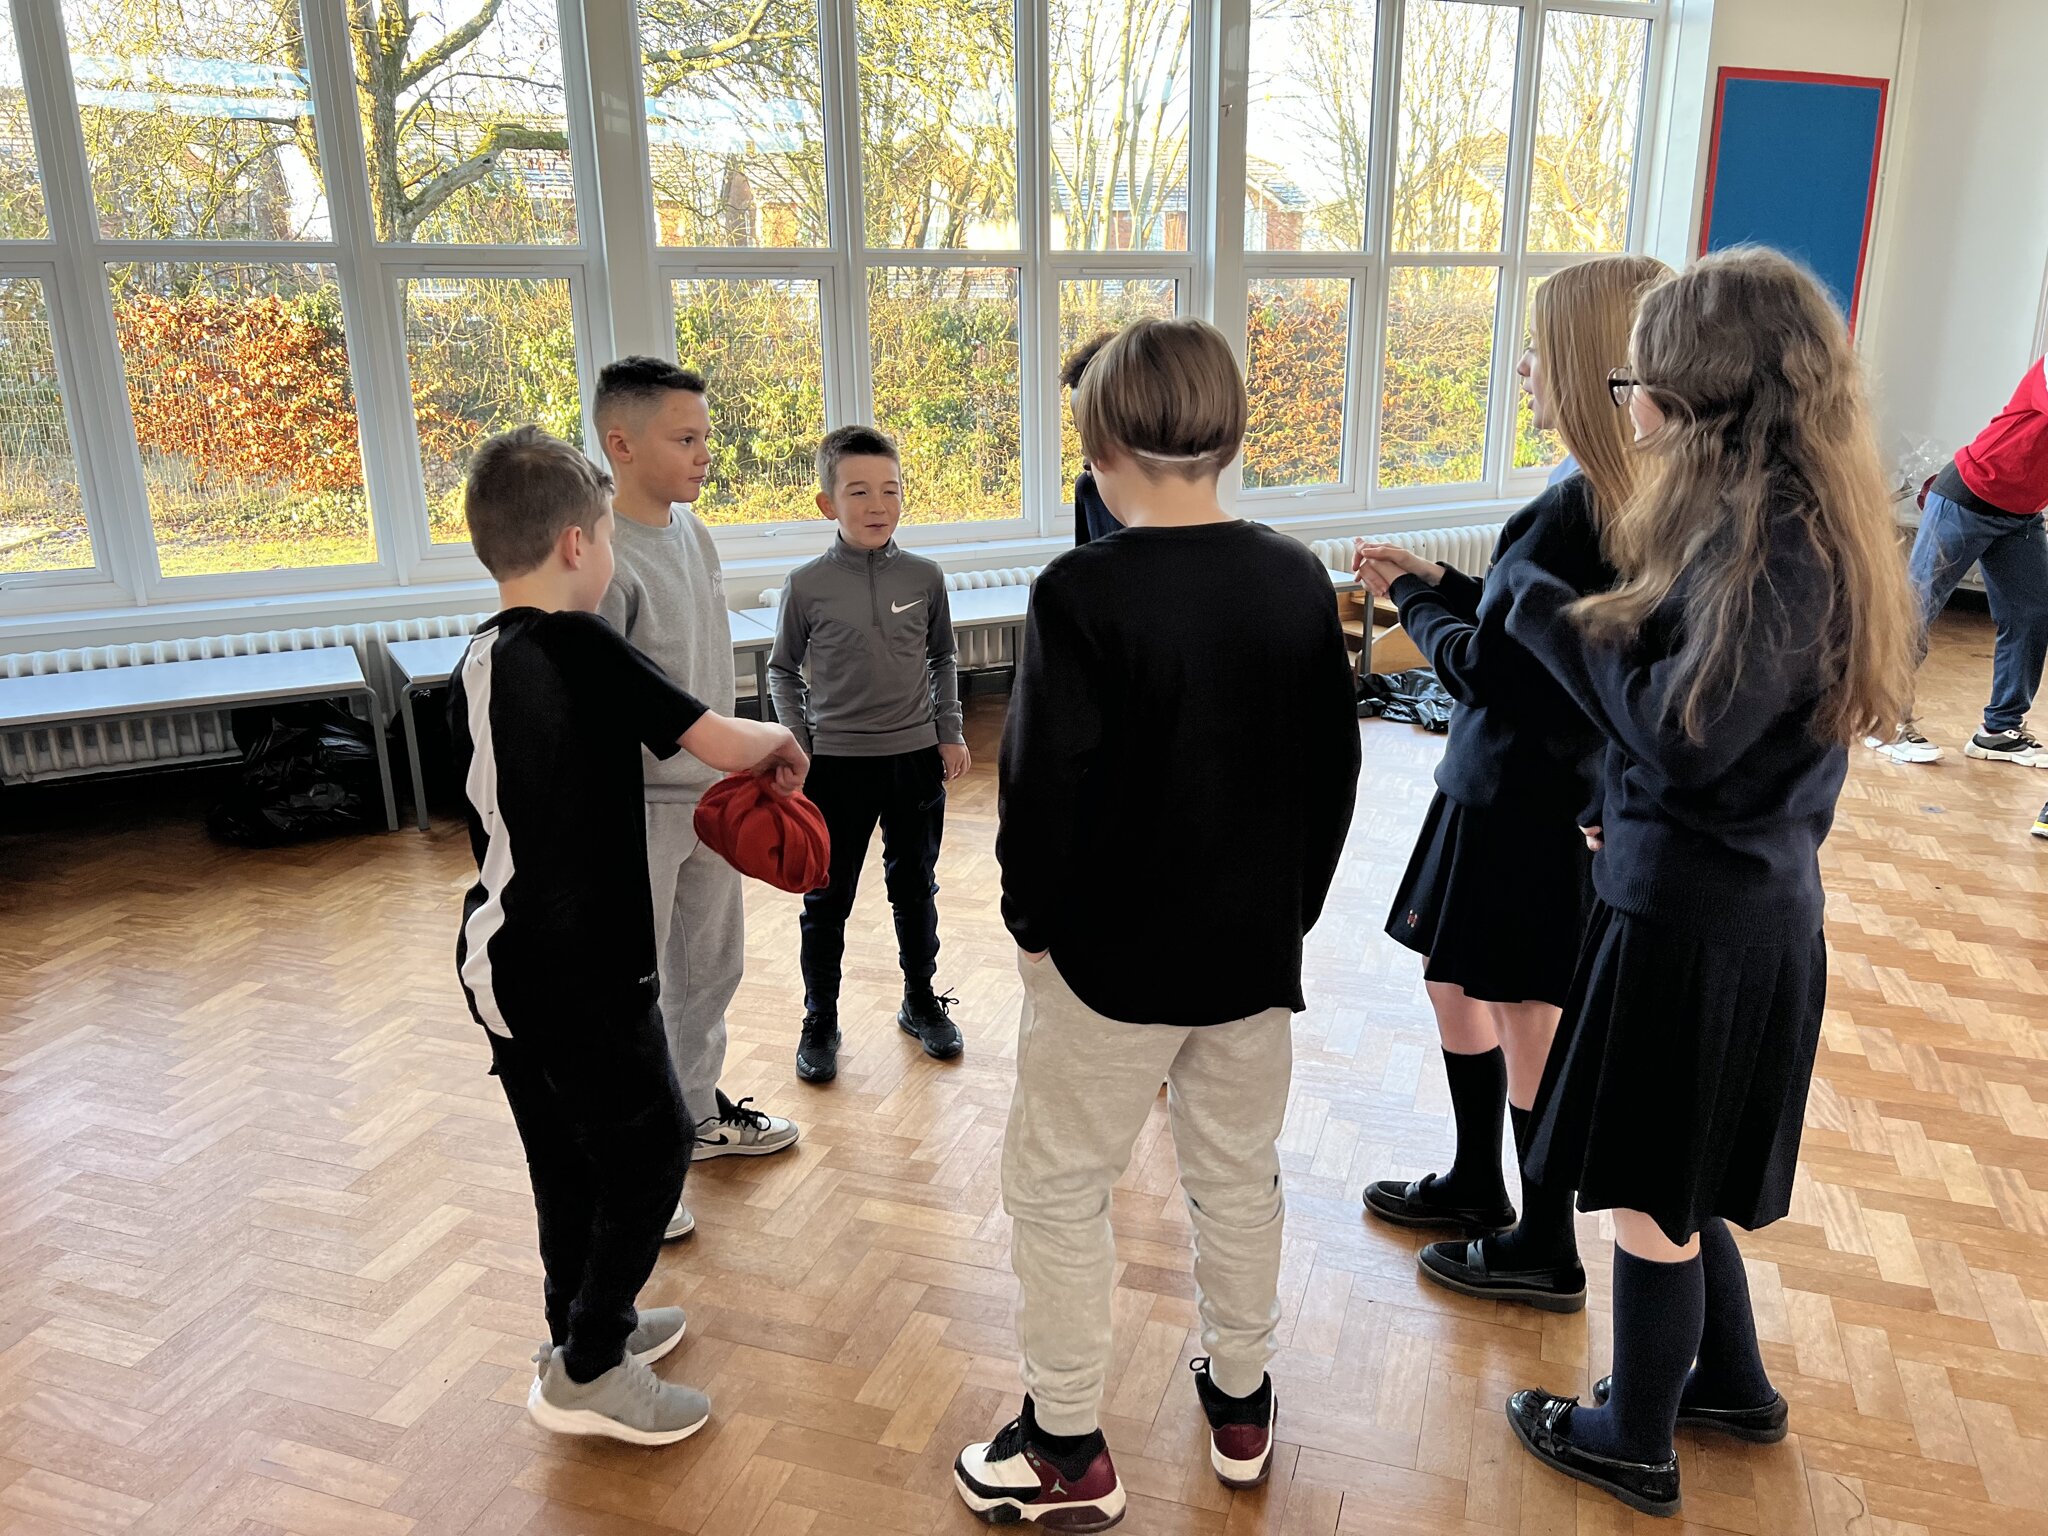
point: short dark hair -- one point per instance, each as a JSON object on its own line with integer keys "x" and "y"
{"x": 1078, "y": 360}
{"x": 850, "y": 443}
{"x": 639, "y": 380}
{"x": 524, "y": 488}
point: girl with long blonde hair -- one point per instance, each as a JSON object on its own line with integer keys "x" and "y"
{"x": 1760, "y": 622}
{"x": 1494, "y": 893}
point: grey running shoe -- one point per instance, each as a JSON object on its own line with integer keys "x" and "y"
{"x": 628, "y": 1402}
{"x": 660, "y": 1330}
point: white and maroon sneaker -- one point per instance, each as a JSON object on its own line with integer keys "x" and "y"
{"x": 1014, "y": 1477}
{"x": 1240, "y": 1429}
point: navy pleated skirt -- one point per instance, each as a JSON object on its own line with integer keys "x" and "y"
{"x": 1496, "y": 899}
{"x": 1677, "y": 1086}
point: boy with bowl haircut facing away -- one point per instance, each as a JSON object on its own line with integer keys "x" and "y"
{"x": 667, "y": 598}
{"x": 870, "y": 623}
{"x": 549, "y": 709}
{"x": 1177, "y": 780}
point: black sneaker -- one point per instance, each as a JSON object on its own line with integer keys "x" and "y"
{"x": 929, "y": 1018}
{"x": 1017, "y": 1477}
{"x": 1542, "y": 1422}
{"x": 1759, "y": 1426}
{"x": 1240, "y": 1429}
{"x": 1425, "y": 1203}
{"x": 817, "y": 1048}
{"x": 2007, "y": 747}
{"x": 2041, "y": 823}
{"x": 1462, "y": 1267}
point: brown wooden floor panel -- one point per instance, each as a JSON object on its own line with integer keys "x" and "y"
{"x": 267, "y": 1263}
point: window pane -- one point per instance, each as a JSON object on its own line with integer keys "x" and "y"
{"x": 1533, "y": 449}
{"x": 21, "y": 189}
{"x": 1309, "y": 125}
{"x": 939, "y": 124}
{"x": 197, "y": 120}
{"x": 238, "y": 381}
{"x": 1457, "y": 102}
{"x": 1087, "y": 309}
{"x": 1439, "y": 367}
{"x": 485, "y": 353}
{"x": 463, "y": 123}
{"x": 760, "y": 345}
{"x": 1297, "y": 349}
{"x": 944, "y": 345}
{"x": 1120, "y": 125}
{"x": 735, "y": 121}
{"x": 42, "y": 519}
{"x": 1587, "y": 111}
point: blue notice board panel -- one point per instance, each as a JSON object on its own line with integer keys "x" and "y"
{"x": 1793, "y": 165}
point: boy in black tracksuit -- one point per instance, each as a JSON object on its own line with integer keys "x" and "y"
{"x": 882, "y": 706}
{"x": 548, "y": 711}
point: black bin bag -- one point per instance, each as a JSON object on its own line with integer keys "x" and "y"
{"x": 308, "y": 771}
{"x": 1414, "y": 697}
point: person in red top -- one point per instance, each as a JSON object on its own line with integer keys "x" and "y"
{"x": 1985, "y": 509}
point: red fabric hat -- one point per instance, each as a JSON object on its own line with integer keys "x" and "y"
{"x": 760, "y": 833}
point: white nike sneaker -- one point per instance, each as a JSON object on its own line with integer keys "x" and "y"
{"x": 738, "y": 1131}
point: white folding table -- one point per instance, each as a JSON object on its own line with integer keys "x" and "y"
{"x": 179, "y": 687}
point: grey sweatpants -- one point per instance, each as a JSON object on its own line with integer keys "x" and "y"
{"x": 700, "y": 939}
{"x": 1084, "y": 1086}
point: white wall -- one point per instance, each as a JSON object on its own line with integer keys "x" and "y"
{"x": 1954, "y": 290}
{"x": 1965, "y": 218}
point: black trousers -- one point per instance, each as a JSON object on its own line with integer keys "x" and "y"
{"x": 607, "y": 1144}
{"x": 907, "y": 795}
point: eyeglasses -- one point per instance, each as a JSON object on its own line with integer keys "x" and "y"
{"x": 1621, "y": 383}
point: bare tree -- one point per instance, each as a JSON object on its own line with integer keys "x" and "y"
{"x": 1119, "y": 109}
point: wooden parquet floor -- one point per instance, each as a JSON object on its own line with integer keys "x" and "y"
{"x": 267, "y": 1265}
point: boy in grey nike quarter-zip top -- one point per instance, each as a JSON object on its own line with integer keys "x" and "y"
{"x": 865, "y": 673}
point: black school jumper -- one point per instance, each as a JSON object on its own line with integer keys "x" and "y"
{"x": 1178, "y": 770}
{"x": 548, "y": 713}
{"x": 1679, "y": 1077}
{"x": 1496, "y": 891}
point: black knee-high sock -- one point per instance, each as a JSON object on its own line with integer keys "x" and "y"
{"x": 1479, "y": 1092}
{"x": 1544, "y": 1237}
{"x": 1658, "y": 1312}
{"x": 1730, "y": 1372}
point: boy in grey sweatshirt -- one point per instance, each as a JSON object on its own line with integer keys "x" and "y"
{"x": 667, "y": 597}
{"x": 880, "y": 714}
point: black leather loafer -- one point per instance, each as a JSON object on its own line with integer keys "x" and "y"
{"x": 1422, "y": 1204}
{"x": 1541, "y": 1422}
{"x": 1462, "y": 1267}
{"x": 1759, "y": 1426}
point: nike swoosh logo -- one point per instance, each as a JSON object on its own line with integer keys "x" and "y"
{"x": 905, "y": 607}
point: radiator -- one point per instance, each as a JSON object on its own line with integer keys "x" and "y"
{"x": 67, "y": 751}
{"x": 1469, "y": 549}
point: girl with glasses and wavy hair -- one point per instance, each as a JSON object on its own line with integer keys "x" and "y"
{"x": 1761, "y": 621}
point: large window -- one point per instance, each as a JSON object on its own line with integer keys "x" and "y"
{"x": 1414, "y": 168}
{"x": 921, "y": 256}
{"x": 269, "y": 272}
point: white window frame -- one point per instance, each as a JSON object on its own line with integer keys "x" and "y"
{"x": 620, "y": 284}
{"x": 645, "y": 308}
{"x": 369, "y": 275}
{"x": 1371, "y": 270}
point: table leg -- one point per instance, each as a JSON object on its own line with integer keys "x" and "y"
{"x": 406, "y": 698}
{"x": 383, "y": 760}
{"x": 761, "y": 686}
